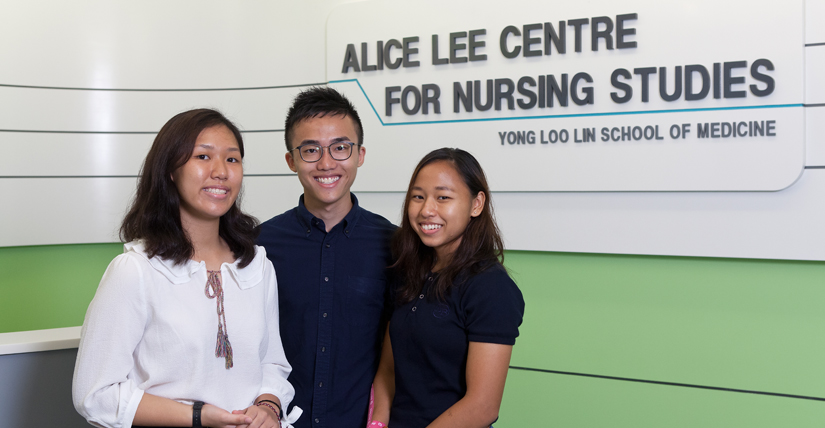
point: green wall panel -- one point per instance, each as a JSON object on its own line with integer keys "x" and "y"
{"x": 50, "y": 286}
{"x": 730, "y": 323}
{"x": 733, "y": 323}
{"x": 549, "y": 400}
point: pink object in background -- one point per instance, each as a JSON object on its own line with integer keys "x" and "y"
{"x": 372, "y": 405}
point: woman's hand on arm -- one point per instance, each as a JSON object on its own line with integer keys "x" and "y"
{"x": 384, "y": 383}
{"x": 262, "y": 416}
{"x": 159, "y": 411}
{"x": 487, "y": 365}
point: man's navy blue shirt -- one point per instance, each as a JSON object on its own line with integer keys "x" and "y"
{"x": 332, "y": 289}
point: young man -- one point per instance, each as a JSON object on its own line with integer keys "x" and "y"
{"x": 331, "y": 259}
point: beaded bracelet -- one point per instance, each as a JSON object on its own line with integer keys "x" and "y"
{"x": 280, "y": 411}
{"x": 376, "y": 424}
{"x": 271, "y": 407}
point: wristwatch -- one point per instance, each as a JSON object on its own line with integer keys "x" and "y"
{"x": 196, "y": 414}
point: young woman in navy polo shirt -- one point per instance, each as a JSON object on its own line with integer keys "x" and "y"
{"x": 457, "y": 313}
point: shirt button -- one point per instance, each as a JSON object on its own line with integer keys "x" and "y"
{"x": 327, "y": 245}
{"x": 346, "y": 231}
{"x": 413, "y": 308}
{"x": 326, "y": 279}
{"x": 320, "y": 384}
{"x": 308, "y": 230}
{"x": 421, "y": 297}
{"x": 325, "y": 314}
{"x": 323, "y": 349}
{"x": 317, "y": 420}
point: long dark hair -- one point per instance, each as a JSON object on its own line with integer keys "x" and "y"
{"x": 481, "y": 245}
{"x": 154, "y": 215}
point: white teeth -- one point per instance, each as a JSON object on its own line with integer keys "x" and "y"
{"x": 326, "y": 180}
{"x": 430, "y": 226}
{"x": 216, "y": 191}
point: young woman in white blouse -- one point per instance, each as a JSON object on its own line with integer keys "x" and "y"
{"x": 183, "y": 329}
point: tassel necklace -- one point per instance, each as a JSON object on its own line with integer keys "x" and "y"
{"x": 213, "y": 289}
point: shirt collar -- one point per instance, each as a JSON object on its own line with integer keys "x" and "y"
{"x": 309, "y": 222}
{"x": 183, "y": 273}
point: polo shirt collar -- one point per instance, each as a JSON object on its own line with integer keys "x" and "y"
{"x": 309, "y": 222}
{"x": 183, "y": 273}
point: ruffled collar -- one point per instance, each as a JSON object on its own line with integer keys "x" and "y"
{"x": 246, "y": 278}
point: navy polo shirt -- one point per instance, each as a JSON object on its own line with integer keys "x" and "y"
{"x": 332, "y": 289}
{"x": 430, "y": 339}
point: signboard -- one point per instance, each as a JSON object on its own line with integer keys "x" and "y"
{"x": 595, "y": 96}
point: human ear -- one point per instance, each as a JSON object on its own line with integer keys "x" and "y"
{"x": 362, "y": 151}
{"x": 290, "y": 161}
{"x": 478, "y": 204}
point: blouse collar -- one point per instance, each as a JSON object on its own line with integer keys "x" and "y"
{"x": 247, "y": 277}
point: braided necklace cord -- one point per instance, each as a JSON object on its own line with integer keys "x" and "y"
{"x": 213, "y": 289}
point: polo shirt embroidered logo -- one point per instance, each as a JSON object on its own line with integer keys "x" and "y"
{"x": 441, "y": 311}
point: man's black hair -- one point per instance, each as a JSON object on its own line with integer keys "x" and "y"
{"x": 320, "y": 101}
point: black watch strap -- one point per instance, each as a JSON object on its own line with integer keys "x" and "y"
{"x": 196, "y": 414}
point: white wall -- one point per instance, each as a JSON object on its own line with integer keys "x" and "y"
{"x": 86, "y": 84}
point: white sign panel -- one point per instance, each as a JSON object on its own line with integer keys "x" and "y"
{"x": 579, "y": 96}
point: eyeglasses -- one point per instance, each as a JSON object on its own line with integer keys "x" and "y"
{"x": 339, "y": 151}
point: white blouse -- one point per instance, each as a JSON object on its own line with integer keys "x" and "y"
{"x": 150, "y": 327}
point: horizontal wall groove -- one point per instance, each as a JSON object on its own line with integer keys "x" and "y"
{"x": 807, "y": 45}
{"x": 253, "y": 88}
{"x": 39, "y": 131}
{"x": 677, "y": 384}
{"x": 814, "y": 105}
{"x": 119, "y": 176}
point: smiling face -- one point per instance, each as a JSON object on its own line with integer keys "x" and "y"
{"x": 440, "y": 208}
{"x": 326, "y": 182}
{"x": 209, "y": 182}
